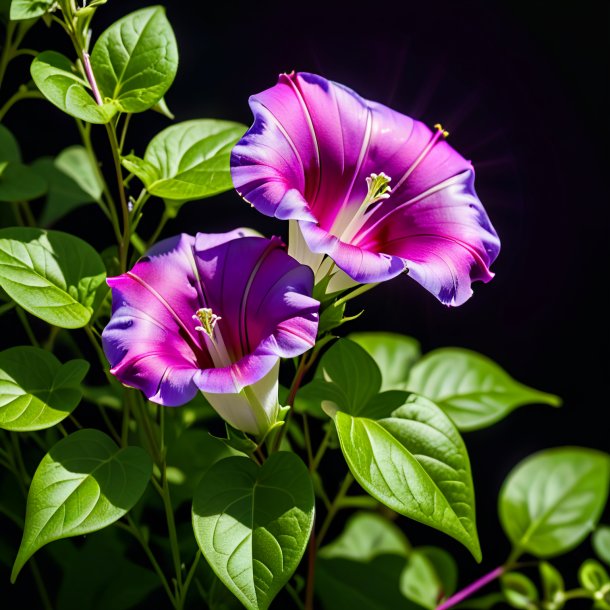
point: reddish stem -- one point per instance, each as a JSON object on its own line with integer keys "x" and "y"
{"x": 91, "y": 79}
{"x": 470, "y": 589}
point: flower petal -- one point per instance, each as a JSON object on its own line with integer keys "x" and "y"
{"x": 315, "y": 142}
{"x": 264, "y": 298}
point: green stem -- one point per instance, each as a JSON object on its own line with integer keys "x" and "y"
{"x": 353, "y": 294}
{"x": 153, "y": 238}
{"x": 26, "y": 325}
{"x": 42, "y": 590}
{"x": 109, "y": 208}
{"x": 304, "y": 365}
{"x": 124, "y": 132}
{"x": 7, "y": 49}
{"x": 321, "y": 450}
{"x": 135, "y": 532}
{"x": 189, "y": 576}
{"x": 20, "y": 94}
{"x": 125, "y": 239}
{"x": 7, "y": 307}
{"x": 295, "y": 596}
{"x": 311, "y": 571}
{"x": 578, "y": 594}
{"x": 171, "y": 527}
{"x": 28, "y": 214}
{"x": 334, "y": 507}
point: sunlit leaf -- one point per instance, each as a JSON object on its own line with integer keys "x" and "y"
{"x": 252, "y": 523}
{"x": 55, "y": 276}
{"x": 57, "y": 80}
{"x": 135, "y": 60}
{"x": 552, "y": 500}
{"x": 82, "y": 485}
{"x": 36, "y": 390}
{"x": 473, "y": 390}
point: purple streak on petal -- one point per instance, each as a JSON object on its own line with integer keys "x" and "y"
{"x": 262, "y": 295}
{"x": 307, "y": 156}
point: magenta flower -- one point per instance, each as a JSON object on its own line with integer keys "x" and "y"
{"x": 212, "y": 313}
{"x": 373, "y": 189}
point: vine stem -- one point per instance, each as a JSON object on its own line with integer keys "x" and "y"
{"x": 334, "y": 507}
{"x": 134, "y": 530}
{"x": 20, "y": 94}
{"x": 303, "y": 367}
{"x": 311, "y": 570}
{"x": 465, "y": 593}
{"x": 124, "y": 241}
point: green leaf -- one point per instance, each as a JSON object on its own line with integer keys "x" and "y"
{"x": 414, "y": 462}
{"x": 18, "y": 182}
{"x": 189, "y": 160}
{"x": 592, "y": 575}
{"x": 419, "y": 581}
{"x": 445, "y": 568}
{"x": 601, "y": 543}
{"x": 519, "y": 591}
{"x": 36, "y": 390}
{"x": 394, "y": 354}
{"x": 552, "y": 584}
{"x": 552, "y": 500}
{"x": 353, "y": 374}
{"x": 252, "y": 523}
{"x": 135, "y": 60}
{"x": 54, "y": 275}
{"x": 97, "y": 575}
{"x": 366, "y": 536}
{"x": 362, "y": 585}
{"x": 189, "y": 458}
{"x": 474, "y": 391}
{"x": 82, "y": 485}
{"x": 484, "y": 602}
{"x": 9, "y": 148}
{"x": 59, "y": 82}
{"x": 64, "y": 194}
{"x": 29, "y": 9}
{"x": 76, "y": 163}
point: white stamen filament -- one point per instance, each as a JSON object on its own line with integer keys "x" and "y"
{"x": 378, "y": 190}
{"x": 212, "y": 336}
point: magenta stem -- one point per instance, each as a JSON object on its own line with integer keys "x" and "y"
{"x": 91, "y": 78}
{"x": 470, "y": 589}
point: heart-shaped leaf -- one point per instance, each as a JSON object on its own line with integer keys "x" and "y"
{"x": 414, "y": 462}
{"x": 82, "y": 485}
{"x": 19, "y": 182}
{"x": 367, "y": 535}
{"x": 54, "y": 275}
{"x": 36, "y": 390}
{"x": 63, "y": 195}
{"x": 252, "y": 523}
{"x": 474, "y": 391}
{"x": 189, "y": 160}
{"x": 59, "y": 82}
{"x": 29, "y": 9}
{"x": 394, "y": 354}
{"x": 553, "y": 499}
{"x": 135, "y": 60}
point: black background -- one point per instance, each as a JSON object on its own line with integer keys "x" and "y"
{"x": 522, "y": 87}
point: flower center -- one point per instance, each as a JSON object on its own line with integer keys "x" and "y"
{"x": 213, "y": 337}
{"x": 378, "y": 189}
{"x": 208, "y": 320}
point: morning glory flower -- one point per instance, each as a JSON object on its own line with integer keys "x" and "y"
{"x": 212, "y": 313}
{"x": 377, "y": 191}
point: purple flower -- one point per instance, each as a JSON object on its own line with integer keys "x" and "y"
{"x": 375, "y": 190}
{"x": 214, "y": 313}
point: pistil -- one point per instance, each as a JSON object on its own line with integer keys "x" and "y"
{"x": 212, "y": 336}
